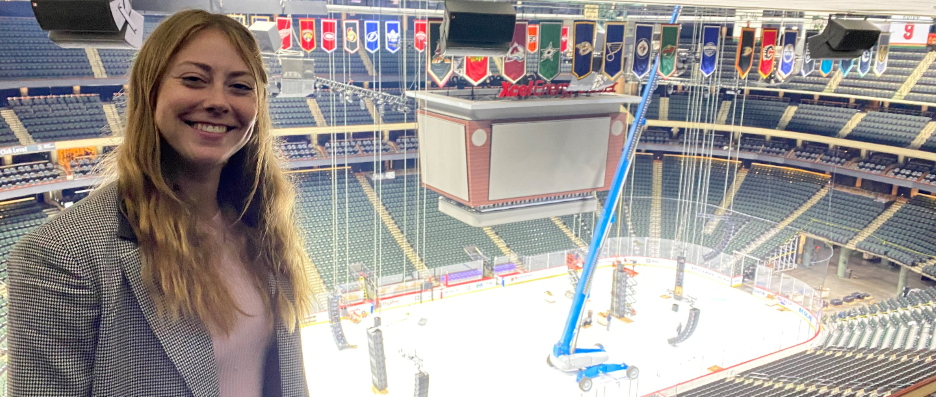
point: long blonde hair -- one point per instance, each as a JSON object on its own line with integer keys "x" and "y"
{"x": 253, "y": 184}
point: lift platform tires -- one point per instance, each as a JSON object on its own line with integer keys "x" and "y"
{"x": 585, "y": 384}
{"x": 632, "y": 372}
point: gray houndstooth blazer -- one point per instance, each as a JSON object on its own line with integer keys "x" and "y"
{"x": 82, "y": 324}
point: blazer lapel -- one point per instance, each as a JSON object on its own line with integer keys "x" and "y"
{"x": 186, "y": 342}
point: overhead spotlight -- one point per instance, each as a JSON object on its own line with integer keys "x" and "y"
{"x": 363, "y": 105}
{"x": 382, "y": 108}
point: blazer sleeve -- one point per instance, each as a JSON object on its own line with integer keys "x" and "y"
{"x": 52, "y": 320}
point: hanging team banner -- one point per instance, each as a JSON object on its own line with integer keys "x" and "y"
{"x": 438, "y": 67}
{"x": 745, "y": 56}
{"x": 284, "y": 26}
{"x": 669, "y": 48}
{"x": 259, "y": 18}
{"x": 612, "y": 62}
{"x": 329, "y": 35}
{"x": 392, "y": 34}
{"x": 846, "y": 66}
{"x": 239, "y": 18}
{"x": 532, "y": 38}
{"x": 515, "y": 61}
{"x": 883, "y": 48}
{"x": 351, "y": 41}
{"x": 825, "y": 67}
{"x": 307, "y": 34}
{"x": 768, "y": 50}
{"x": 808, "y": 63}
{"x": 864, "y": 63}
{"x": 709, "y": 49}
{"x": 419, "y": 41}
{"x": 643, "y": 33}
{"x": 550, "y": 35}
{"x": 476, "y": 69}
{"x": 787, "y": 54}
{"x": 583, "y": 38}
{"x": 372, "y": 36}
{"x": 565, "y": 38}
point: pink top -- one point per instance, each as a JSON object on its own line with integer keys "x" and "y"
{"x": 241, "y": 355}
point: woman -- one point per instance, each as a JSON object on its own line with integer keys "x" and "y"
{"x": 185, "y": 276}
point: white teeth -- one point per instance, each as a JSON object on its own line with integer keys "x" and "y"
{"x": 215, "y": 129}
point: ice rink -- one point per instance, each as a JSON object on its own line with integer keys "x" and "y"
{"x": 495, "y": 342}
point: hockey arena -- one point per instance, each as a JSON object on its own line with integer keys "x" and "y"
{"x": 505, "y": 198}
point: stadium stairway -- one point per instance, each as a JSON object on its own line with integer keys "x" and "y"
{"x": 834, "y": 82}
{"x": 873, "y": 227}
{"x": 17, "y": 126}
{"x": 851, "y": 124}
{"x": 97, "y": 66}
{"x": 378, "y": 119}
{"x": 656, "y": 205}
{"x": 113, "y": 118}
{"x": 367, "y": 63}
{"x": 787, "y": 116}
{"x": 664, "y": 108}
{"x": 786, "y": 222}
{"x": 568, "y": 232}
{"x": 316, "y": 112}
{"x": 392, "y": 226}
{"x": 924, "y": 136}
{"x": 915, "y": 76}
{"x": 499, "y": 242}
{"x": 723, "y": 112}
{"x": 726, "y": 201}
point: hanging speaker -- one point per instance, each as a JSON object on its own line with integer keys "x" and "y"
{"x": 267, "y": 36}
{"x": 378, "y": 361}
{"x": 90, "y": 23}
{"x": 422, "y": 385}
{"x": 843, "y": 39}
{"x": 477, "y": 28}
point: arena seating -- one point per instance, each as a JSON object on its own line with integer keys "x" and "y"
{"x": 679, "y": 107}
{"x": 438, "y": 239}
{"x": 877, "y": 163}
{"x": 813, "y": 82}
{"x": 658, "y": 135}
{"x": 759, "y": 144}
{"x": 838, "y": 156}
{"x": 337, "y": 111}
{"x": 85, "y": 166}
{"x": 912, "y": 169}
{"x": 821, "y": 120}
{"x": 298, "y": 150}
{"x": 909, "y": 237}
{"x": 58, "y": 118}
{"x": 761, "y": 113}
{"x": 540, "y": 236}
{"x": 407, "y": 143}
{"x": 638, "y": 192}
{"x": 811, "y": 151}
{"x": 653, "y": 109}
{"x": 7, "y": 137}
{"x": 16, "y": 220}
{"x": 291, "y": 112}
{"x": 22, "y": 175}
{"x": 680, "y": 206}
{"x": 888, "y": 128}
{"x": 28, "y": 54}
{"x": 117, "y": 62}
{"x": 342, "y": 148}
{"x": 925, "y": 88}
{"x": 341, "y": 228}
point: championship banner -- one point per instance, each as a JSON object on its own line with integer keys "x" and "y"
{"x": 392, "y": 35}
{"x": 515, "y": 61}
{"x": 709, "y": 61}
{"x": 669, "y": 47}
{"x": 284, "y": 26}
{"x": 583, "y": 38}
{"x": 258, "y": 18}
{"x": 745, "y": 57}
{"x": 787, "y": 54}
{"x": 846, "y": 66}
{"x": 307, "y": 34}
{"x": 550, "y": 35}
{"x": 883, "y": 49}
{"x": 329, "y": 35}
{"x": 476, "y": 69}
{"x": 438, "y": 67}
{"x": 825, "y": 67}
{"x": 239, "y": 18}
{"x": 372, "y": 36}
{"x": 768, "y": 50}
{"x": 351, "y": 41}
{"x": 565, "y": 38}
{"x": 419, "y": 41}
{"x": 532, "y": 38}
{"x": 612, "y": 62}
{"x": 808, "y": 63}
{"x": 643, "y": 33}
{"x": 864, "y": 63}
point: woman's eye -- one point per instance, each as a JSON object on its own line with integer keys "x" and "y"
{"x": 243, "y": 87}
{"x": 191, "y": 79}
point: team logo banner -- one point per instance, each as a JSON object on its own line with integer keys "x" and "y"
{"x": 239, "y": 18}
{"x": 515, "y": 61}
{"x": 393, "y": 36}
{"x": 710, "y": 36}
{"x": 284, "y": 26}
{"x": 565, "y": 39}
{"x": 643, "y": 33}
{"x": 612, "y": 62}
{"x": 864, "y": 63}
{"x": 532, "y": 38}
{"x": 787, "y": 54}
{"x": 808, "y": 63}
{"x": 351, "y": 41}
{"x": 439, "y": 67}
{"x": 258, "y": 18}
{"x": 745, "y": 56}
{"x": 846, "y": 66}
{"x": 419, "y": 41}
{"x": 550, "y": 35}
{"x": 476, "y": 69}
{"x": 372, "y": 36}
{"x": 768, "y": 50}
{"x": 329, "y": 35}
{"x": 883, "y": 48}
{"x": 825, "y": 67}
{"x": 307, "y": 34}
{"x": 669, "y": 47}
{"x": 584, "y": 41}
